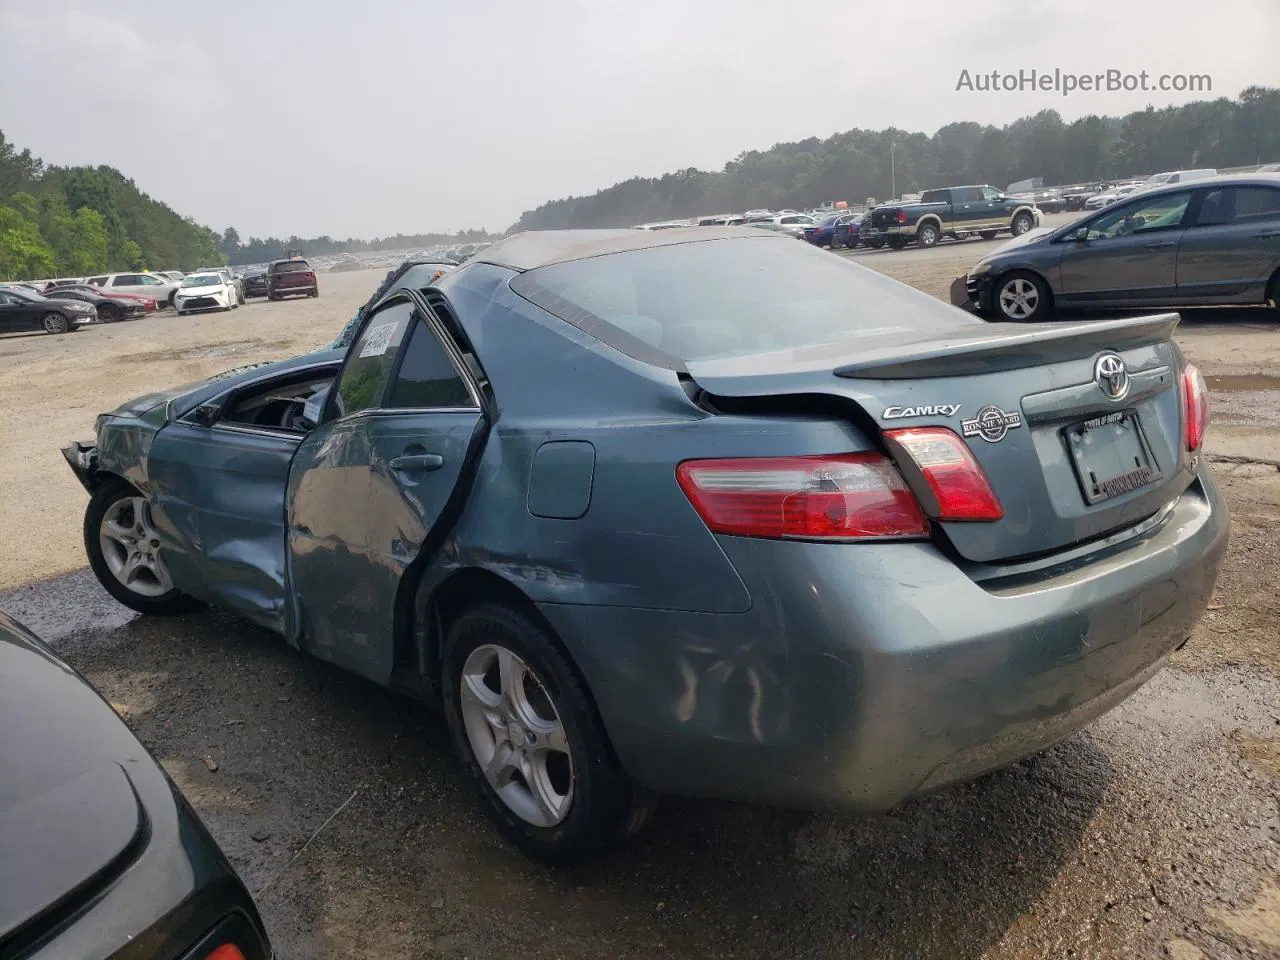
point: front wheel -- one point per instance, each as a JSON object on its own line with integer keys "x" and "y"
{"x": 1021, "y": 224}
{"x": 125, "y": 552}
{"x": 110, "y": 314}
{"x": 55, "y": 323}
{"x": 528, "y": 734}
{"x": 1021, "y": 297}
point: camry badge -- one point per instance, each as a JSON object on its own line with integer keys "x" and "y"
{"x": 991, "y": 424}
{"x": 936, "y": 410}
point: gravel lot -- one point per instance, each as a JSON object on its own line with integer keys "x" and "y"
{"x": 1156, "y": 832}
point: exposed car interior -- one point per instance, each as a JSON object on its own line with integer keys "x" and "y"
{"x": 292, "y": 405}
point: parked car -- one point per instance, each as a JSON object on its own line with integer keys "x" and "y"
{"x": 171, "y": 274}
{"x": 980, "y": 209}
{"x": 108, "y": 309}
{"x": 1176, "y": 176}
{"x": 103, "y": 858}
{"x": 821, "y": 232}
{"x": 287, "y": 278}
{"x": 22, "y": 310}
{"x": 1075, "y": 198}
{"x": 206, "y": 291}
{"x": 1108, "y": 197}
{"x": 1208, "y": 243}
{"x": 159, "y": 288}
{"x": 126, "y": 299}
{"x": 848, "y": 232}
{"x": 255, "y": 282}
{"x": 813, "y": 556}
{"x": 231, "y": 277}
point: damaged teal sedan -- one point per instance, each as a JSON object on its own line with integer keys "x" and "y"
{"x": 697, "y": 511}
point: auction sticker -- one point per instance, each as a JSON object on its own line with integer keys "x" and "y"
{"x": 379, "y": 340}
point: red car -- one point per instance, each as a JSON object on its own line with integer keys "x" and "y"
{"x": 148, "y": 304}
{"x": 287, "y": 278}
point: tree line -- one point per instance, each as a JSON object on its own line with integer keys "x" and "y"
{"x": 856, "y": 164}
{"x": 73, "y": 221}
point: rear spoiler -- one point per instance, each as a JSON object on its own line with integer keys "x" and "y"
{"x": 1007, "y": 346}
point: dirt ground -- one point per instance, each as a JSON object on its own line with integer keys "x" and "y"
{"x": 1156, "y": 832}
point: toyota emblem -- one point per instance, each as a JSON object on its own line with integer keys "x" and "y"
{"x": 1112, "y": 376}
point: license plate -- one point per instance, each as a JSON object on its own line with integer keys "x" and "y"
{"x": 1111, "y": 456}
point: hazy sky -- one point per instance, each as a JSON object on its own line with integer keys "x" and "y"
{"x": 370, "y": 118}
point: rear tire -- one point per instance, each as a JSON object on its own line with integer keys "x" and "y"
{"x": 897, "y": 243}
{"x": 118, "y": 500}
{"x": 565, "y": 776}
{"x": 927, "y": 235}
{"x": 53, "y": 322}
{"x": 1020, "y": 297}
{"x": 1021, "y": 224}
{"x": 876, "y": 243}
{"x": 987, "y": 234}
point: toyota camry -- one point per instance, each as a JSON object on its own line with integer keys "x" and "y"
{"x": 700, "y": 511}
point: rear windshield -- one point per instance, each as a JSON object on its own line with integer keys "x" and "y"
{"x": 291, "y": 266}
{"x": 725, "y": 298}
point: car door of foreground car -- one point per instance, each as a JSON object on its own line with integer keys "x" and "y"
{"x": 218, "y": 491}
{"x": 369, "y": 484}
{"x": 1128, "y": 255}
{"x": 1234, "y": 246}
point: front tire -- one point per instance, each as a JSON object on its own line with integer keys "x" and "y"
{"x": 1021, "y": 297}
{"x": 53, "y": 322}
{"x": 110, "y": 314}
{"x": 125, "y": 553}
{"x": 528, "y": 734}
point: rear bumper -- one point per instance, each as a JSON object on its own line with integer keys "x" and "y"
{"x": 862, "y": 677}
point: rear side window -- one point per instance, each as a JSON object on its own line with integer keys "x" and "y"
{"x": 291, "y": 266}
{"x": 127, "y": 280}
{"x": 725, "y": 298}
{"x": 370, "y": 359}
{"x": 1239, "y": 205}
{"x": 936, "y": 196}
{"x": 427, "y": 376}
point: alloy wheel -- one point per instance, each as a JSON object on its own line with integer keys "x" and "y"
{"x": 131, "y": 547}
{"x": 516, "y": 735}
{"x": 55, "y": 323}
{"x": 1019, "y": 298}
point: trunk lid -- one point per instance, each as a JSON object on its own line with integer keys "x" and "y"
{"x": 1067, "y": 462}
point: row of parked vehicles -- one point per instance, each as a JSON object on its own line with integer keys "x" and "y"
{"x": 62, "y": 305}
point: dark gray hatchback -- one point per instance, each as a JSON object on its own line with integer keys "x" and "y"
{"x": 1212, "y": 242}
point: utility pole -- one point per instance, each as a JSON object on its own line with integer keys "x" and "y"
{"x": 893, "y": 171}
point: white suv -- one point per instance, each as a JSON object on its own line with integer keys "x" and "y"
{"x": 155, "y": 285}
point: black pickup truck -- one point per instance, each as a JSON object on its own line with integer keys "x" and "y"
{"x": 950, "y": 212}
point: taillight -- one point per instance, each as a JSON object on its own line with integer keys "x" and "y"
{"x": 956, "y": 480}
{"x": 902, "y": 216}
{"x": 228, "y": 951}
{"x": 1195, "y": 402}
{"x": 855, "y": 496}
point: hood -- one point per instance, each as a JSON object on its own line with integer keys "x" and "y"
{"x": 203, "y": 290}
{"x": 188, "y": 396}
{"x": 1027, "y": 239}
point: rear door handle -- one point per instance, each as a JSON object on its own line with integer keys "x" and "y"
{"x": 418, "y": 461}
